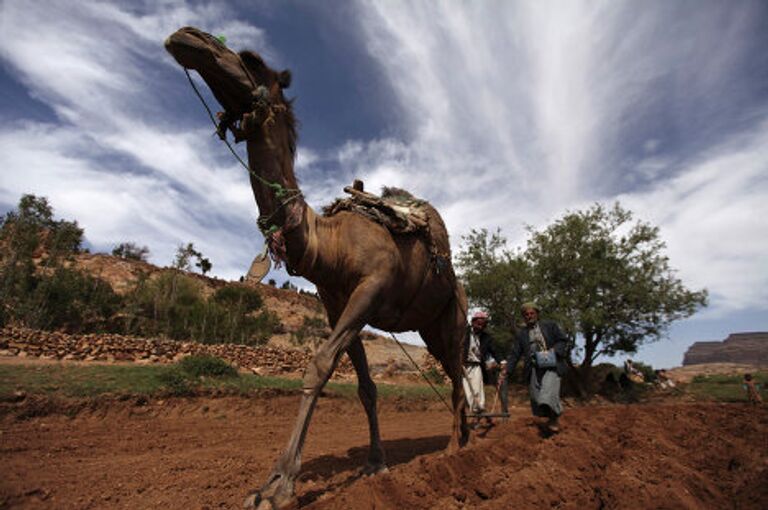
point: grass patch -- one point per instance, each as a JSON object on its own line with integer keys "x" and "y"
{"x": 725, "y": 388}
{"x": 149, "y": 380}
{"x": 162, "y": 380}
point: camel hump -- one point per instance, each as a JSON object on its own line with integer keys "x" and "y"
{"x": 402, "y": 214}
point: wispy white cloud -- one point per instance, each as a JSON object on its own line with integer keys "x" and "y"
{"x": 714, "y": 217}
{"x": 515, "y": 112}
{"x": 119, "y": 160}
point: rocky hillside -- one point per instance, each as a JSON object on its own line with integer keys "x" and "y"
{"x": 302, "y": 319}
{"x": 744, "y": 348}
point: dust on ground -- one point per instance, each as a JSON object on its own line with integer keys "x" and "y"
{"x": 208, "y": 453}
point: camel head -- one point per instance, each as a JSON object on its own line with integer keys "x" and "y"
{"x": 242, "y": 83}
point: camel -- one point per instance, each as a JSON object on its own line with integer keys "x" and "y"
{"x": 364, "y": 274}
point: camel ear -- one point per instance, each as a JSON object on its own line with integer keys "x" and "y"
{"x": 284, "y": 79}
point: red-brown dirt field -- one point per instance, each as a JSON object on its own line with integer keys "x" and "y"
{"x": 209, "y": 452}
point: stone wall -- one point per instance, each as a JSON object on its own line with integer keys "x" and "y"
{"x": 23, "y": 342}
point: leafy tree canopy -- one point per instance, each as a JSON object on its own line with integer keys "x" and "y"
{"x": 603, "y": 277}
{"x": 31, "y": 226}
{"x": 495, "y": 279}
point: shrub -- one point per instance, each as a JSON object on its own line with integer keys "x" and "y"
{"x": 238, "y": 296}
{"x": 70, "y": 300}
{"x": 35, "y": 287}
{"x": 205, "y": 365}
{"x": 131, "y": 251}
{"x": 174, "y": 305}
{"x": 435, "y": 375}
{"x": 177, "y": 382}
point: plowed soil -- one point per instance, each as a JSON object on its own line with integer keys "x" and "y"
{"x": 209, "y": 452}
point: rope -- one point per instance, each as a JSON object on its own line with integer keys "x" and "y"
{"x": 422, "y": 374}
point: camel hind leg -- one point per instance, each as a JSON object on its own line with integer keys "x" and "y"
{"x": 444, "y": 339}
{"x": 366, "y": 390}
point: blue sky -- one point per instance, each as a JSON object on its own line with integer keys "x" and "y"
{"x": 502, "y": 114}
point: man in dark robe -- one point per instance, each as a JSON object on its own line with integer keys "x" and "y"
{"x": 533, "y": 343}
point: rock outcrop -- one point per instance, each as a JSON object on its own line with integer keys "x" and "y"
{"x": 745, "y": 348}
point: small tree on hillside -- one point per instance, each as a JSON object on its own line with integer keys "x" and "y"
{"x": 131, "y": 251}
{"x": 31, "y": 229}
{"x": 36, "y": 287}
{"x": 185, "y": 255}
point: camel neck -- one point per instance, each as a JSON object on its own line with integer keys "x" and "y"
{"x": 274, "y": 185}
{"x": 284, "y": 214}
{"x": 301, "y": 244}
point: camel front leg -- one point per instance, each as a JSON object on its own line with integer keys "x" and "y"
{"x": 278, "y": 490}
{"x": 366, "y": 391}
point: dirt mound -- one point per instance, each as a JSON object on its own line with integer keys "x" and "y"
{"x": 208, "y": 453}
{"x": 609, "y": 457}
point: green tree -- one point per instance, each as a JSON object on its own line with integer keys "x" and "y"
{"x": 495, "y": 279}
{"x": 603, "y": 277}
{"x": 608, "y": 279}
{"x": 39, "y": 287}
{"x": 131, "y": 251}
{"x": 186, "y": 254}
{"x": 31, "y": 231}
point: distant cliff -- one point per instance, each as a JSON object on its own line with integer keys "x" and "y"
{"x": 748, "y": 348}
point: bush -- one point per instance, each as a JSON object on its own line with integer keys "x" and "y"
{"x": 243, "y": 298}
{"x": 208, "y": 366}
{"x": 131, "y": 251}
{"x": 177, "y": 382}
{"x": 36, "y": 288}
{"x": 71, "y": 300}
{"x": 39, "y": 288}
{"x": 175, "y": 306}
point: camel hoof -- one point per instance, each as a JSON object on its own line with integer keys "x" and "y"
{"x": 255, "y": 501}
{"x": 276, "y": 494}
{"x": 252, "y": 500}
